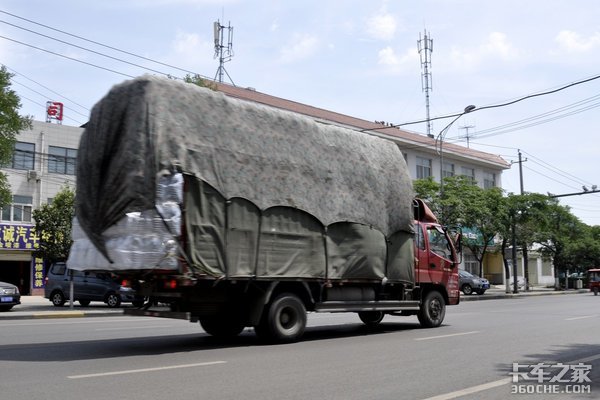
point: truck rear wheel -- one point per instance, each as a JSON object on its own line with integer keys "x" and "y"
{"x": 222, "y": 326}
{"x": 283, "y": 320}
{"x": 371, "y": 318}
{"x": 433, "y": 310}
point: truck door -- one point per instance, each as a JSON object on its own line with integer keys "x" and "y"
{"x": 440, "y": 256}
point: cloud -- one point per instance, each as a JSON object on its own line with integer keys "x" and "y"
{"x": 495, "y": 47}
{"x": 191, "y": 50}
{"x": 301, "y": 47}
{"x": 388, "y": 57}
{"x": 382, "y": 26}
{"x": 573, "y": 42}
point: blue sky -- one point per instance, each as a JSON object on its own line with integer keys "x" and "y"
{"x": 354, "y": 57}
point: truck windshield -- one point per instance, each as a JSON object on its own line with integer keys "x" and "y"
{"x": 439, "y": 243}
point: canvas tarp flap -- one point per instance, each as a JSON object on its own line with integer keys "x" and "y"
{"x": 234, "y": 238}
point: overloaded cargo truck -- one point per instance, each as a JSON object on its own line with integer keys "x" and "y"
{"x": 235, "y": 214}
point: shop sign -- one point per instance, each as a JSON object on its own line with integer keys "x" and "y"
{"x": 18, "y": 237}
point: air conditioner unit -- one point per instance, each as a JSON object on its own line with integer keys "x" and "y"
{"x": 32, "y": 175}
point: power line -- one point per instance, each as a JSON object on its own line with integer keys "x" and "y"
{"x": 102, "y": 44}
{"x": 67, "y": 57}
{"x": 85, "y": 49}
{"x": 508, "y": 103}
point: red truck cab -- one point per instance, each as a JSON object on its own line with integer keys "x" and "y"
{"x": 436, "y": 254}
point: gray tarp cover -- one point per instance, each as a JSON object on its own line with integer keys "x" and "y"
{"x": 269, "y": 192}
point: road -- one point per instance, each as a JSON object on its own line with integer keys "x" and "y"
{"x": 469, "y": 357}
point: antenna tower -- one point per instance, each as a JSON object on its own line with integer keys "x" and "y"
{"x": 425, "y": 46}
{"x": 222, "y": 51}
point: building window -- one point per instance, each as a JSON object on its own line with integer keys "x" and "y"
{"x": 61, "y": 160}
{"x": 23, "y": 156}
{"x": 447, "y": 170}
{"x": 469, "y": 173}
{"x": 489, "y": 180}
{"x": 19, "y": 210}
{"x": 471, "y": 264}
{"x": 423, "y": 168}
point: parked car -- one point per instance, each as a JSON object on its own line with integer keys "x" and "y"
{"x": 9, "y": 296}
{"x": 470, "y": 283}
{"x": 88, "y": 286}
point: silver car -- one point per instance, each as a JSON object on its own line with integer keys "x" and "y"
{"x": 470, "y": 283}
{"x": 9, "y": 296}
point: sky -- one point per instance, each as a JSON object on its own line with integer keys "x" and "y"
{"x": 358, "y": 58}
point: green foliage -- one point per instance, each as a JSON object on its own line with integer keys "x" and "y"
{"x": 538, "y": 220}
{"x": 53, "y": 224}
{"x": 11, "y": 123}
{"x": 198, "y": 80}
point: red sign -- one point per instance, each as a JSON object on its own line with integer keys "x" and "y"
{"x": 54, "y": 110}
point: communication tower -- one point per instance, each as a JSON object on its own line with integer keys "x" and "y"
{"x": 425, "y": 46}
{"x": 222, "y": 51}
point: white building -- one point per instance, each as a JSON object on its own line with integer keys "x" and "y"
{"x": 43, "y": 163}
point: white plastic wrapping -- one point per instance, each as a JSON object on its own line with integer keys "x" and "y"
{"x": 140, "y": 240}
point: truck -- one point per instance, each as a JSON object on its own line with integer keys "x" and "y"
{"x": 236, "y": 214}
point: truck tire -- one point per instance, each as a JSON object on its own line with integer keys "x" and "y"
{"x": 371, "y": 318}
{"x": 283, "y": 320}
{"x": 222, "y": 326}
{"x": 595, "y": 291}
{"x": 433, "y": 310}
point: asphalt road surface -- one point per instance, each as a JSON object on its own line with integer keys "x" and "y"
{"x": 470, "y": 357}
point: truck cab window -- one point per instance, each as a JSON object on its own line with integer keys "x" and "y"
{"x": 438, "y": 243}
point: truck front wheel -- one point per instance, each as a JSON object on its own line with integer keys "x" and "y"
{"x": 283, "y": 320}
{"x": 433, "y": 310}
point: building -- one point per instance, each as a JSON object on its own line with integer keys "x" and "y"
{"x": 45, "y": 161}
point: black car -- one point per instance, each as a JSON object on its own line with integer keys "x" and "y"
{"x": 88, "y": 286}
{"x": 9, "y": 296}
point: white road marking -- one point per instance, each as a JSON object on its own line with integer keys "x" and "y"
{"x": 500, "y": 382}
{"x": 450, "y": 335}
{"x": 128, "y": 328}
{"x": 583, "y": 317}
{"x": 471, "y": 390}
{"x": 137, "y": 371}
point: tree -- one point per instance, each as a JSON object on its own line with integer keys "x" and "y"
{"x": 53, "y": 224}
{"x": 559, "y": 233}
{"x": 11, "y": 123}
{"x": 198, "y": 80}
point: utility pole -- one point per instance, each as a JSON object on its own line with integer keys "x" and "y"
{"x": 466, "y": 128}
{"x": 425, "y": 46}
{"x": 514, "y": 241}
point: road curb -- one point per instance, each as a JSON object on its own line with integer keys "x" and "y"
{"x": 522, "y": 295}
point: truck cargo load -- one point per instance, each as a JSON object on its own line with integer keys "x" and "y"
{"x": 268, "y": 192}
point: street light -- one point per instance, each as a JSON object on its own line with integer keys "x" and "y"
{"x": 440, "y": 138}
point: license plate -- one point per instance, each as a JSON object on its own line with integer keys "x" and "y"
{"x": 6, "y": 299}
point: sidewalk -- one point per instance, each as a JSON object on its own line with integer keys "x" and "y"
{"x": 36, "y": 307}
{"x": 33, "y": 307}
{"x": 499, "y": 292}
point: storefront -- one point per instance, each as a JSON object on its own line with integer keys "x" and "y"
{"x": 18, "y": 265}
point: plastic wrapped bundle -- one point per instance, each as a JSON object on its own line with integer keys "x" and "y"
{"x": 140, "y": 240}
